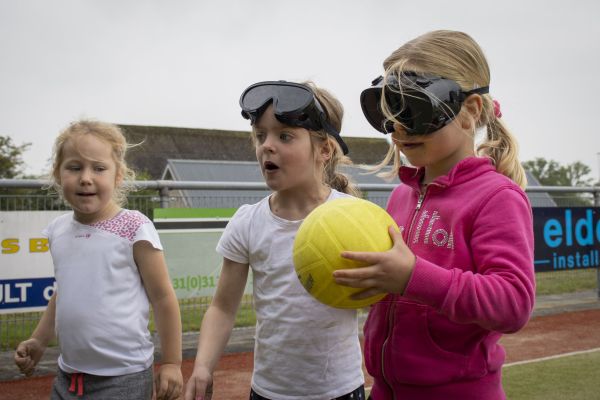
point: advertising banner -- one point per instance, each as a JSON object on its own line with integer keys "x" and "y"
{"x": 26, "y": 271}
{"x": 189, "y": 237}
{"x": 566, "y": 238}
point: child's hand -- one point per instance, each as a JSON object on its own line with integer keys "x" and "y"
{"x": 199, "y": 387}
{"x": 388, "y": 272}
{"x": 28, "y": 354}
{"x": 168, "y": 382}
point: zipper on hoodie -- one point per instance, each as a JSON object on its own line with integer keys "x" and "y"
{"x": 416, "y": 212}
{"x": 390, "y": 316}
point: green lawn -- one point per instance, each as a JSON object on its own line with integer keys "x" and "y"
{"x": 556, "y": 282}
{"x": 573, "y": 377}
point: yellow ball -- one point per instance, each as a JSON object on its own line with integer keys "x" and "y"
{"x": 346, "y": 224}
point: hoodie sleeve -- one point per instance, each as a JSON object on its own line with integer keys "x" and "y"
{"x": 499, "y": 295}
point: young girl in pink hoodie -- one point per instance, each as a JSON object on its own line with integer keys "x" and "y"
{"x": 460, "y": 273}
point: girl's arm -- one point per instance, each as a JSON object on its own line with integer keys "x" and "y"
{"x": 216, "y": 328}
{"x": 155, "y": 277}
{"x": 500, "y": 294}
{"x": 29, "y": 352}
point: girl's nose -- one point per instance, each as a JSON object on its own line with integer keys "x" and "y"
{"x": 86, "y": 176}
{"x": 269, "y": 143}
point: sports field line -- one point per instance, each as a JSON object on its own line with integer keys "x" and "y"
{"x": 533, "y": 360}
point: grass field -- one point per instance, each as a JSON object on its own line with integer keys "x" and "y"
{"x": 557, "y": 282}
{"x": 573, "y": 377}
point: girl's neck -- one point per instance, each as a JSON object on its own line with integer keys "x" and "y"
{"x": 105, "y": 214}
{"x": 433, "y": 172}
{"x": 294, "y": 205}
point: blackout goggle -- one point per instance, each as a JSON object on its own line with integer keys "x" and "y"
{"x": 425, "y": 104}
{"x": 294, "y": 104}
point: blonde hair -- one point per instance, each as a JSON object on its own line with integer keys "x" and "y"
{"x": 334, "y": 112}
{"x": 108, "y": 133}
{"x": 455, "y": 55}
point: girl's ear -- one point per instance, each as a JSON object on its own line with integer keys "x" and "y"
{"x": 119, "y": 178}
{"x": 326, "y": 149}
{"x": 473, "y": 105}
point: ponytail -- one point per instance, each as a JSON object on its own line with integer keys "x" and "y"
{"x": 334, "y": 112}
{"x": 500, "y": 145}
{"x": 334, "y": 178}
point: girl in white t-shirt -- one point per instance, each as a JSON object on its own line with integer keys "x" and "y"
{"x": 303, "y": 349}
{"x": 109, "y": 267}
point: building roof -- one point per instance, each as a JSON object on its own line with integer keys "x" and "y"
{"x": 542, "y": 199}
{"x": 249, "y": 171}
{"x": 243, "y": 171}
{"x": 159, "y": 144}
{"x": 220, "y": 155}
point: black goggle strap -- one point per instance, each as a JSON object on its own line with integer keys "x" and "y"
{"x": 413, "y": 78}
{"x": 327, "y": 127}
{"x": 481, "y": 90}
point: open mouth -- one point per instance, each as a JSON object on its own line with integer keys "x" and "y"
{"x": 270, "y": 166}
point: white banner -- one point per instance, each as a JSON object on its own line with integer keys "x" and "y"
{"x": 26, "y": 271}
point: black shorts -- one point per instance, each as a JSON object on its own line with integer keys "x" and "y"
{"x": 356, "y": 394}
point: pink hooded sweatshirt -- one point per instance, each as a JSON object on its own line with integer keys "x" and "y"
{"x": 472, "y": 233}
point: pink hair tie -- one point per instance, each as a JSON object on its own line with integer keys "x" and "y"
{"x": 497, "y": 111}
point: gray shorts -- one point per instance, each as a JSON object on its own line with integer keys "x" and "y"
{"x": 84, "y": 386}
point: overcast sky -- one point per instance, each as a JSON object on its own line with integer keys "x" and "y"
{"x": 185, "y": 63}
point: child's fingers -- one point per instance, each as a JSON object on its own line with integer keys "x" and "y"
{"x": 367, "y": 257}
{"x": 196, "y": 390}
{"x": 354, "y": 275}
{"x": 174, "y": 390}
{"x": 21, "y": 359}
{"x": 27, "y": 368}
{"x": 168, "y": 392}
{"x": 395, "y": 234}
{"x": 25, "y": 364}
{"x": 21, "y": 352}
{"x": 366, "y": 294}
{"x": 192, "y": 391}
{"x": 162, "y": 388}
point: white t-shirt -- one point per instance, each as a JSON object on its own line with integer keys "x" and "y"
{"x": 101, "y": 306}
{"x": 304, "y": 349}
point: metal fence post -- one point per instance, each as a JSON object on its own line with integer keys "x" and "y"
{"x": 164, "y": 197}
{"x": 597, "y": 204}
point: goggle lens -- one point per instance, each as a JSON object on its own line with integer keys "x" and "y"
{"x": 293, "y": 104}
{"x": 425, "y": 105}
{"x": 286, "y": 98}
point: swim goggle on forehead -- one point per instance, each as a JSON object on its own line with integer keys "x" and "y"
{"x": 294, "y": 104}
{"x": 425, "y": 104}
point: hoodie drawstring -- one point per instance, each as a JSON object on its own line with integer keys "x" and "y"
{"x": 76, "y": 383}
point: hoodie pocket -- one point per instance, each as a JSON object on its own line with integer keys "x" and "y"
{"x": 375, "y": 331}
{"x": 411, "y": 356}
